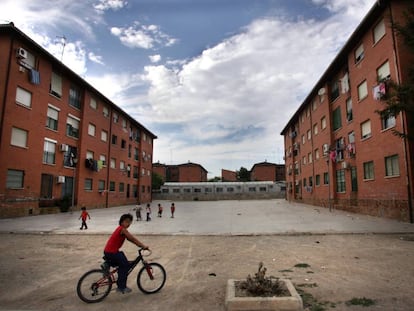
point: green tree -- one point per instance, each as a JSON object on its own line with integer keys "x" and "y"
{"x": 243, "y": 174}
{"x": 216, "y": 178}
{"x": 157, "y": 181}
{"x": 400, "y": 97}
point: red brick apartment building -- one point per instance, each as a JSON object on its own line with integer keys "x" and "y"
{"x": 187, "y": 172}
{"x": 61, "y": 137}
{"x": 227, "y": 175}
{"x": 337, "y": 135}
{"x": 265, "y": 171}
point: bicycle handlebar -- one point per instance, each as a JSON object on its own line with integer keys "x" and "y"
{"x": 144, "y": 252}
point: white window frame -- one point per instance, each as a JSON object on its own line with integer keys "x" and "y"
{"x": 19, "y": 137}
{"x": 383, "y": 72}
{"x": 93, "y": 103}
{"x": 56, "y": 85}
{"x": 104, "y": 135}
{"x": 362, "y": 90}
{"x": 91, "y": 129}
{"x": 379, "y": 31}
{"x": 23, "y": 97}
{"x": 366, "y": 130}
{"x": 359, "y": 53}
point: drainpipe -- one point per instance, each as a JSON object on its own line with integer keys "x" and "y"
{"x": 6, "y": 87}
{"x": 109, "y": 158}
{"x": 403, "y": 115}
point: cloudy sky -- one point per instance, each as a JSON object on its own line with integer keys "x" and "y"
{"x": 215, "y": 80}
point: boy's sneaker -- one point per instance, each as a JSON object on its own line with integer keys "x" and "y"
{"x": 125, "y": 290}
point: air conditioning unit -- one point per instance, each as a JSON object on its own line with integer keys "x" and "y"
{"x": 21, "y": 53}
{"x": 61, "y": 179}
{"x": 345, "y": 165}
{"x": 64, "y": 148}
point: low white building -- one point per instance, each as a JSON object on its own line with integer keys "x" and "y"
{"x": 221, "y": 190}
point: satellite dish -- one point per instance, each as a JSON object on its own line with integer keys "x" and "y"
{"x": 321, "y": 91}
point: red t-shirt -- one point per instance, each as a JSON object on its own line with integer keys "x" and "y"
{"x": 115, "y": 241}
{"x": 84, "y": 215}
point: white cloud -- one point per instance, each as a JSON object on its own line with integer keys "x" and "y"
{"x": 115, "y": 5}
{"x": 239, "y": 94}
{"x": 95, "y": 58}
{"x": 142, "y": 36}
{"x": 155, "y": 58}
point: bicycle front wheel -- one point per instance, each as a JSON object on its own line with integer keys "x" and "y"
{"x": 151, "y": 278}
{"x": 94, "y": 286}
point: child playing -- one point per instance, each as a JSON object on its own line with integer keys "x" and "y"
{"x": 172, "y": 210}
{"x": 138, "y": 210}
{"x": 159, "y": 210}
{"x": 84, "y": 215}
{"x": 118, "y": 258}
{"x": 148, "y": 210}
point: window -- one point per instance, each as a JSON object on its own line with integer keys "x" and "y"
{"x": 121, "y": 165}
{"x": 124, "y": 123}
{"x": 362, "y": 90}
{"x": 101, "y": 185}
{"x": 323, "y": 123}
{"x": 304, "y": 182}
{"x": 89, "y": 154}
{"x": 72, "y": 126}
{"x": 349, "y": 116}
{"x": 391, "y": 166}
{"x": 136, "y": 172}
{"x": 354, "y": 180}
{"x": 15, "y": 179}
{"x": 52, "y": 117}
{"x": 46, "y": 186}
{"x": 340, "y": 181}
{"x": 111, "y": 186}
{"x": 359, "y": 53}
{"x": 102, "y": 158}
{"x": 69, "y": 156}
{"x": 74, "y": 97}
{"x": 383, "y": 72}
{"x": 325, "y": 178}
{"x": 105, "y": 112}
{"x": 23, "y": 97}
{"x": 316, "y": 154}
{"x": 19, "y": 137}
{"x": 369, "y": 170}
{"x": 49, "y": 151}
{"x": 114, "y": 139}
{"x": 336, "y": 116}
{"x": 136, "y": 154}
{"x": 317, "y": 180}
{"x": 116, "y": 117}
{"x": 143, "y": 172}
{"x": 379, "y": 31}
{"x": 310, "y": 157}
{"x": 304, "y": 161}
{"x": 388, "y": 122}
{"x": 121, "y": 187}
{"x": 88, "y": 184}
{"x": 56, "y": 85}
{"x": 334, "y": 90}
{"x": 29, "y": 61}
{"x": 303, "y": 139}
{"x": 143, "y": 189}
{"x": 93, "y": 104}
{"x": 315, "y": 129}
{"x": 129, "y": 170}
{"x": 351, "y": 137}
{"x": 366, "y": 129}
{"x": 314, "y": 104}
{"x": 113, "y": 163}
{"x": 123, "y": 143}
{"x": 104, "y": 135}
{"x": 309, "y": 134}
{"x": 310, "y": 181}
{"x": 91, "y": 129}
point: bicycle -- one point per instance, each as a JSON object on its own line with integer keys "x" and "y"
{"x": 96, "y": 284}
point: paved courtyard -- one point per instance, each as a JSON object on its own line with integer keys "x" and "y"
{"x": 215, "y": 218}
{"x": 346, "y": 255}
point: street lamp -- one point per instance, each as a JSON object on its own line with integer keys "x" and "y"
{"x": 74, "y": 161}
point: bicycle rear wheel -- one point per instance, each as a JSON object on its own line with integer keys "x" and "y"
{"x": 94, "y": 286}
{"x": 151, "y": 278}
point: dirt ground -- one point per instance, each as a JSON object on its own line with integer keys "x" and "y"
{"x": 40, "y": 272}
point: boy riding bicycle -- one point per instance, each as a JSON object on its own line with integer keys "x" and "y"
{"x": 118, "y": 258}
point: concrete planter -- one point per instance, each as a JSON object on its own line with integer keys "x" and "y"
{"x": 288, "y": 303}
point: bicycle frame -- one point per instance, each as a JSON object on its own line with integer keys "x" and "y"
{"x": 131, "y": 268}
